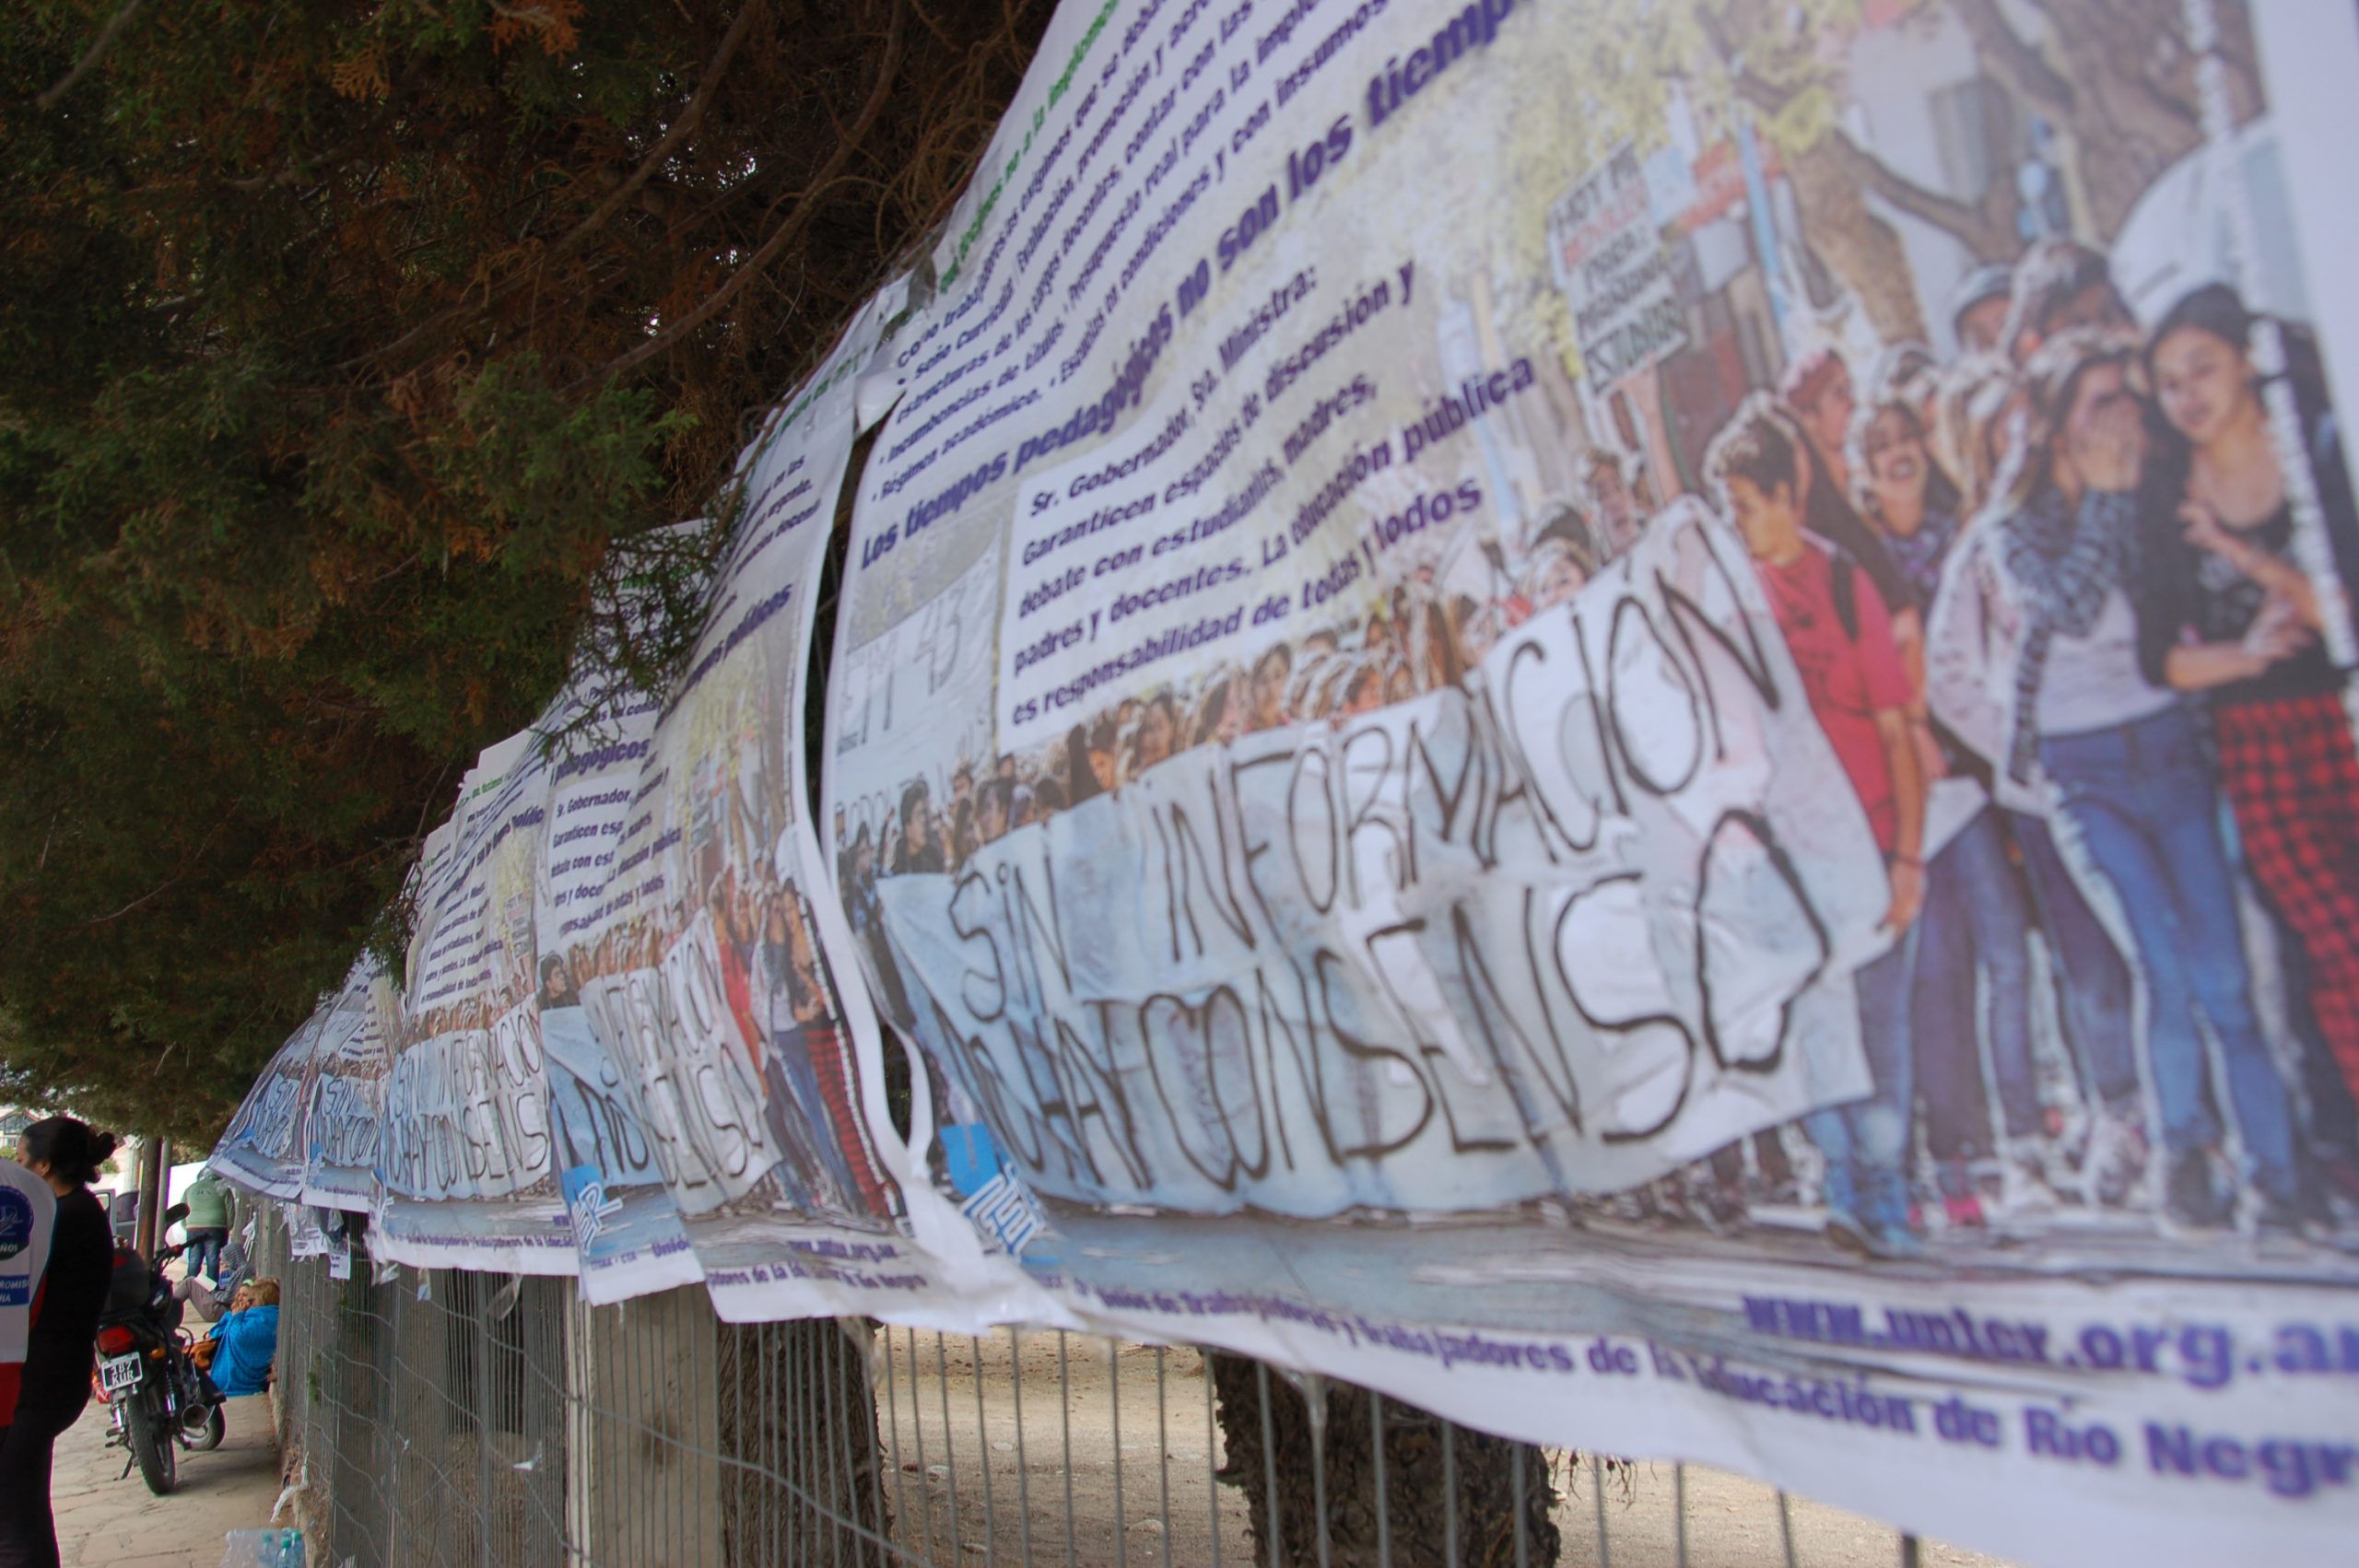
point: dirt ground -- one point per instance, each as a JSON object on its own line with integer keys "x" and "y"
{"x": 1121, "y": 1438}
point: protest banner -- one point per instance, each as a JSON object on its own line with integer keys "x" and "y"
{"x": 712, "y": 971}
{"x": 263, "y": 1149}
{"x": 465, "y": 1158}
{"x": 612, "y": 1170}
{"x": 344, "y": 1093}
{"x": 1472, "y": 611}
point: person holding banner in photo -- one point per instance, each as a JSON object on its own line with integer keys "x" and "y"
{"x": 2229, "y": 614}
{"x": 1976, "y": 925}
{"x": 56, "y": 1385}
{"x": 2127, "y": 766}
{"x": 1839, "y": 633}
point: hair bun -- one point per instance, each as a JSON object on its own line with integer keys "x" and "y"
{"x": 102, "y": 1146}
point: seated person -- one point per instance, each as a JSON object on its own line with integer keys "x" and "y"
{"x": 236, "y": 1354}
{"x": 209, "y": 1299}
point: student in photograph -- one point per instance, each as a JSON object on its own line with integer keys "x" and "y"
{"x": 1552, "y": 576}
{"x": 1616, "y": 519}
{"x": 1159, "y": 731}
{"x": 1974, "y": 630}
{"x": 1975, "y": 929}
{"x": 1104, "y": 753}
{"x": 1980, "y": 307}
{"x": 1562, "y": 525}
{"x": 1080, "y": 778}
{"x": 2062, "y": 286}
{"x": 1816, "y": 390}
{"x": 2230, "y": 614}
{"x": 1266, "y": 688}
{"x": 1839, "y": 632}
{"x": 2125, "y": 761}
{"x": 922, "y": 850}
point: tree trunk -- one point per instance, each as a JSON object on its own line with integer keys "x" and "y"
{"x": 1264, "y": 1416}
{"x": 795, "y": 1400}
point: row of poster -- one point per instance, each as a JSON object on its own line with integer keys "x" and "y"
{"x": 1632, "y": 719}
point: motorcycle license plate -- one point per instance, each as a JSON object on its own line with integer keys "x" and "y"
{"x": 118, "y": 1373}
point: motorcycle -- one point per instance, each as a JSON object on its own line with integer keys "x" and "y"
{"x": 156, "y": 1400}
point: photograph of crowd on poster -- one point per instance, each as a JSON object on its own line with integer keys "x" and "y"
{"x": 1710, "y": 638}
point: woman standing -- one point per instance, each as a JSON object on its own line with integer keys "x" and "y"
{"x": 67, "y": 1154}
{"x": 2124, "y": 760}
{"x": 2229, "y": 614}
{"x": 1974, "y": 925}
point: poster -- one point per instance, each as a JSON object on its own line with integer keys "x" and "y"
{"x": 1547, "y": 697}
{"x": 465, "y": 1158}
{"x": 712, "y": 970}
{"x": 344, "y": 1093}
{"x": 262, "y": 1149}
{"x": 612, "y": 1170}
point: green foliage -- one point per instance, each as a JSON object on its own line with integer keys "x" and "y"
{"x": 341, "y": 363}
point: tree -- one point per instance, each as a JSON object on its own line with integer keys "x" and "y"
{"x": 346, "y": 339}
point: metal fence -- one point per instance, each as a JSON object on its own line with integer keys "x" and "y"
{"x": 454, "y": 1418}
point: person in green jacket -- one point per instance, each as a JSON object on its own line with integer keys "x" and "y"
{"x": 207, "y": 1225}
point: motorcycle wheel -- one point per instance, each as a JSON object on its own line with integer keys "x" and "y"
{"x": 209, "y": 1437}
{"x": 150, "y": 1444}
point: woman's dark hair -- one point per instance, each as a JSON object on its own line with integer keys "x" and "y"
{"x": 1942, "y": 493}
{"x": 2215, "y": 309}
{"x": 2052, "y": 385}
{"x": 71, "y": 1149}
{"x": 1080, "y": 782}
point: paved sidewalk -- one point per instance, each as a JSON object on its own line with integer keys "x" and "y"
{"x": 106, "y": 1519}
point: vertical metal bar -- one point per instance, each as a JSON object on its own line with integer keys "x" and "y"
{"x": 1064, "y": 1406}
{"x": 1212, "y": 1448}
{"x": 1519, "y": 1497}
{"x": 482, "y": 1337}
{"x": 925, "y": 1475}
{"x": 1023, "y": 1460}
{"x": 1449, "y": 1492}
{"x": 1319, "y": 1467}
{"x": 893, "y": 1426}
{"x": 1679, "y": 1510}
{"x": 1786, "y": 1524}
{"x": 1162, "y": 1458}
{"x": 1597, "y": 1497}
{"x": 838, "y": 1455}
{"x": 784, "y": 1409}
{"x": 1270, "y": 1468}
{"x": 949, "y": 1448}
{"x": 983, "y": 1446}
{"x": 1909, "y": 1551}
{"x": 1383, "y": 1503}
{"x": 1114, "y": 1402}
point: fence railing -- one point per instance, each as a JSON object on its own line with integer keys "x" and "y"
{"x": 450, "y": 1418}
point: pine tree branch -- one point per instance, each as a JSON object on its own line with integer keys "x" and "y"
{"x": 793, "y": 225}
{"x": 90, "y": 57}
{"x": 169, "y": 883}
{"x": 683, "y": 126}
